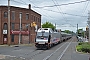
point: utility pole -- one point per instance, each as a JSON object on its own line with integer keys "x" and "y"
{"x": 77, "y": 29}
{"x": 89, "y": 24}
{"x": 55, "y": 25}
{"x": 20, "y": 16}
{"x": 9, "y": 40}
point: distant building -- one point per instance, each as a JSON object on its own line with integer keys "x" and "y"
{"x": 28, "y": 16}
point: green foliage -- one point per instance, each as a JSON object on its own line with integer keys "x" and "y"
{"x": 80, "y": 32}
{"x": 83, "y": 47}
{"x": 67, "y": 31}
{"x": 48, "y": 25}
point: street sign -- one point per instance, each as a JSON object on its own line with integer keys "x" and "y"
{"x": 4, "y": 31}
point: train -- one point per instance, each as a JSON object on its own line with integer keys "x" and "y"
{"x": 46, "y": 37}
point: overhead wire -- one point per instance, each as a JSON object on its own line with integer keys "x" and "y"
{"x": 23, "y": 1}
{"x": 19, "y": 2}
{"x": 62, "y": 4}
{"x": 59, "y": 9}
{"x": 56, "y": 5}
{"x": 65, "y": 13}
{"x": 44, "y": 12}
{"x": 84, "y": 9}
{"x": 50, "y": 10}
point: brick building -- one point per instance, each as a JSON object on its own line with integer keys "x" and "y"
{"x": 28, "y": 16}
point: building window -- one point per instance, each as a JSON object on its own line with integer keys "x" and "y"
{"x": 13, "y": 15}
{"x": 5, "y": 14}
{"x": 31, "y": 17}
{"x": 34, "y": 18}
{"x": 27, "y": 16}
{"x": 13, "y": 26}
{"x": 12, "y": 37}
{"x": 5, "y": 26}
{"x": 38, "y": 19}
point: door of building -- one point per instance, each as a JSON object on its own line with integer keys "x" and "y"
{"x": 5, "y": 39}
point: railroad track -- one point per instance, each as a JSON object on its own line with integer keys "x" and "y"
{"x": 62, "y": 48}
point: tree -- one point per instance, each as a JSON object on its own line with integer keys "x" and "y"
{"x": 68, "y": 31}
{"x": 48, "y": 25}
{"x": 80, "y": 32}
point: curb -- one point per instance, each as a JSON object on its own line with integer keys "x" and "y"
{"x": 3, "y": 45}
{"x": 17, "y": 45}
{"x": 22, "y": 45}
{"x": 5, "y": 57}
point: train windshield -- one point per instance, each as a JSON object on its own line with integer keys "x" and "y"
{"x": 42, "y": 35}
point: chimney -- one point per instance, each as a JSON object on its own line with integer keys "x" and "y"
{"x": 29, "y": 6}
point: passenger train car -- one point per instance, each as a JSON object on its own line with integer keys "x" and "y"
{"x": 46, "y": 37}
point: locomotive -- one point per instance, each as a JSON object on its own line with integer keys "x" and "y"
{"x": 47, "y": 38}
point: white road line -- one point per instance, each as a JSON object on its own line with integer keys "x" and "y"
{"x": 54, "y": 52}
{"x": 63, "y": 51}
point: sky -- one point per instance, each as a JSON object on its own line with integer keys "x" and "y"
{"x": 66, "y": 15}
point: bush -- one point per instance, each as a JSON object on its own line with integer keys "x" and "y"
{"x": 80, "y": 43}
{"x": 83, "y": 47}
{"x": 79, "y": 48}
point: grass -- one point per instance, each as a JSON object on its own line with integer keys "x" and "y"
{"x": 83, "y": 47}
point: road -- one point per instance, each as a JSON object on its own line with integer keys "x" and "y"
{"x": 62, "y": 51}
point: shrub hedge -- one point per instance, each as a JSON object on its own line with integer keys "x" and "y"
{"x": 83, "y": 47}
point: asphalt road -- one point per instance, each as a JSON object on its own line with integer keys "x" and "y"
{"x": 63, "y": 51}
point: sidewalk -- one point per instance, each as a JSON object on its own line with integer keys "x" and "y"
{"x": 31, "y": 44}
{"x": 7, "y": 57}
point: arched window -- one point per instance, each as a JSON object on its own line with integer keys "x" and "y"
{"x": 5, "y": 26}
{"x": 5, "y": 14}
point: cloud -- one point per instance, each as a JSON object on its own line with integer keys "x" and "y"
{"x": 63, "y": 21}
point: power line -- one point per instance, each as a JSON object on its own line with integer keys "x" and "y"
{"x": 23, "y": 2}
{"x": 85, "y": 8}
{"x": 62, "y": 4}
{"x": 43, "y": 12}
{"x": 59, "y": 9}
{"x": 55, "y": 5}
{"x": 19, "y": 2}
{"x": 65, "y": 13}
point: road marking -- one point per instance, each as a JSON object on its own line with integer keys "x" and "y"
{"x": 64, "y": 51}
{"x": 53, "y": 52}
